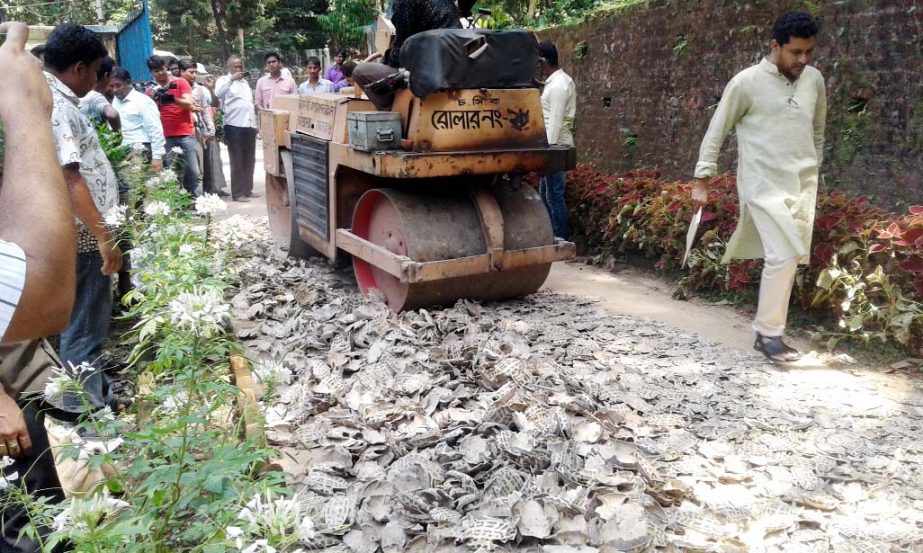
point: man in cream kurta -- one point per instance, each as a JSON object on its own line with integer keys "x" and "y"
{"x": 777, "y": 108}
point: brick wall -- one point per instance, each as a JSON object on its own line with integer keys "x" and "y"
{"x": 650, "y": 76}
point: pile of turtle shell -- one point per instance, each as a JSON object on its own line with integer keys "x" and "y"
{"x": 549, "y": 424}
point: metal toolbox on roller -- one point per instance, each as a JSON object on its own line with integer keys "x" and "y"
{"x": 372, "y": 131}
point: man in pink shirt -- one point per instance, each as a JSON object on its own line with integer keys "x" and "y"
{"x": 274, "y": 83}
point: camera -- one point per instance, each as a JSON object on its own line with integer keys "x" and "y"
{"x": 246, "y": 74}
{"x": 161, "y": 94}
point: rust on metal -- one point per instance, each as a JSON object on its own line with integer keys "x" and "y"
{"x": 491, "y": 224}
{"x": 410, "y": 271}
{"x": 478, "y": 119}
{"x": 414, "y": 165}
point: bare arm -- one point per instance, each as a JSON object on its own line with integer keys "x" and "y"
{"x": 33, "y": 190}
{"x": 186, "y": 102}
{"x": 112, "y": 117}
{"x": 85, "y": 210}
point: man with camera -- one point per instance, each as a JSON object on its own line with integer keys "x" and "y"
{"x": 174, "y": 99}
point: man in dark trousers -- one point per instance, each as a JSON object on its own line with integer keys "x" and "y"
{"x": 73, "y": 55}
{"x": 239, "y": 127}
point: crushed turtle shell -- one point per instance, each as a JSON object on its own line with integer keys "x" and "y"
{"x": 549, "y": 424}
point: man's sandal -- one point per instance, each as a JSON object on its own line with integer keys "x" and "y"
{"x": 775, "y": 349}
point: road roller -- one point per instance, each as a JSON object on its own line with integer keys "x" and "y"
{"x": 428, "y": 198}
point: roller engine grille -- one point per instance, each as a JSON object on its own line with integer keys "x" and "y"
{"x": 312, "y": 204}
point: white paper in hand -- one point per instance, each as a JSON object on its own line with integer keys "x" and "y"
{"x": 690, "y": 235}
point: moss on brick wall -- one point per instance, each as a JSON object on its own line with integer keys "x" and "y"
{"x": 649, "y": 78}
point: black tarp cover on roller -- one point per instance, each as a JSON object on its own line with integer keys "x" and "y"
{"x": 450, "y": 59}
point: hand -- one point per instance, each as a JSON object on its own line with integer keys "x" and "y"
{"x": 196, "y": 108}
{"x": 209, "y": 82}
{"x": 14, "y": 436}
{"x": 112, "y": 257}
{"x": 209, "y": 139}
{"x": 700, "y": 192}
{"x": 237, "y": 76}
{"x": 23, "y": 83}
{"x": 157, "y": 165}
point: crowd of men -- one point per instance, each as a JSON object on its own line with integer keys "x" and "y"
{"x": 56, "y": 277}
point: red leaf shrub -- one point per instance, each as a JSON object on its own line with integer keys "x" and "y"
{"x": 637, "y": 212}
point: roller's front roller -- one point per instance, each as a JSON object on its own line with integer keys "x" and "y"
{"x": 280, "y": 197}
{"x": 437, "y": 227}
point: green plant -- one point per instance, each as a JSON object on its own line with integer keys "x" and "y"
{"x": 629, "y": 139}
{"x": 580, "y": 50}
{"x": 111, "y": 142}
{"x": 866, "y": 269}
{"x": 186, "y": 473}
{"x": 679, "y": 44}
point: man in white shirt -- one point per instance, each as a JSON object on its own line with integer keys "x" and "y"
{"x": 778, "y": 108}
{"x": 559, "y": 108}
{"x": 315, "y": 83}
{"x": 239, "y": 127}
{"x": 141, "y": 127}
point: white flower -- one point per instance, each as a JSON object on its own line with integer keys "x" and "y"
{"x": 305, "y": 530}
{"x": 202, "y": 313}
{"x": 168, "y": 175}
{"x": 259, "y": 546}
{"x": 153, "y": 182}
{"x": 186, "y": 249}
{"x": 66, "y": 381}
{"x": 173, "y": 402}
{"x": 156, "y": 208}
{"x": 270, "y": 370}
{"x": 6, "y": 479}
{"x": 116, "y": 216}
{"x": 176, "y": 150}
{"x": 84, "y": 514}
{"x": 274, "y": 520}
{"x": 210, "y": 204}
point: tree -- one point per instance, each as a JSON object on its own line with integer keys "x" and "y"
{"x": 345, "y": 20}
{"x": 53, "y": 13}
{"x": 208, "y": 26}
{"x": 292, "y": 27}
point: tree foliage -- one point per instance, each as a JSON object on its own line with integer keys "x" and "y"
{"x": 36, "y": 12}
{"x": 345, "y": 20}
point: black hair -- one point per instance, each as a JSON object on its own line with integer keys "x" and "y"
{"x": 272, "y": 55}
{"x": 549, "y": 52}
{"x": 184, "y": 65}
{"x": 69, "y": 44}
{"x": 121, "y": 74}
{"x": 342, "y": 52}
{"x": 38, "y": 51}
{"x": 105, "y": 69}
{"x": 172, "y": 62}
{"x": 465, "y": 6}
{"x": 794, "y": 24}
{"x": 155, "y": 62}
{"x": 348, "y": 69}
{"x": 313, "y": 60}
